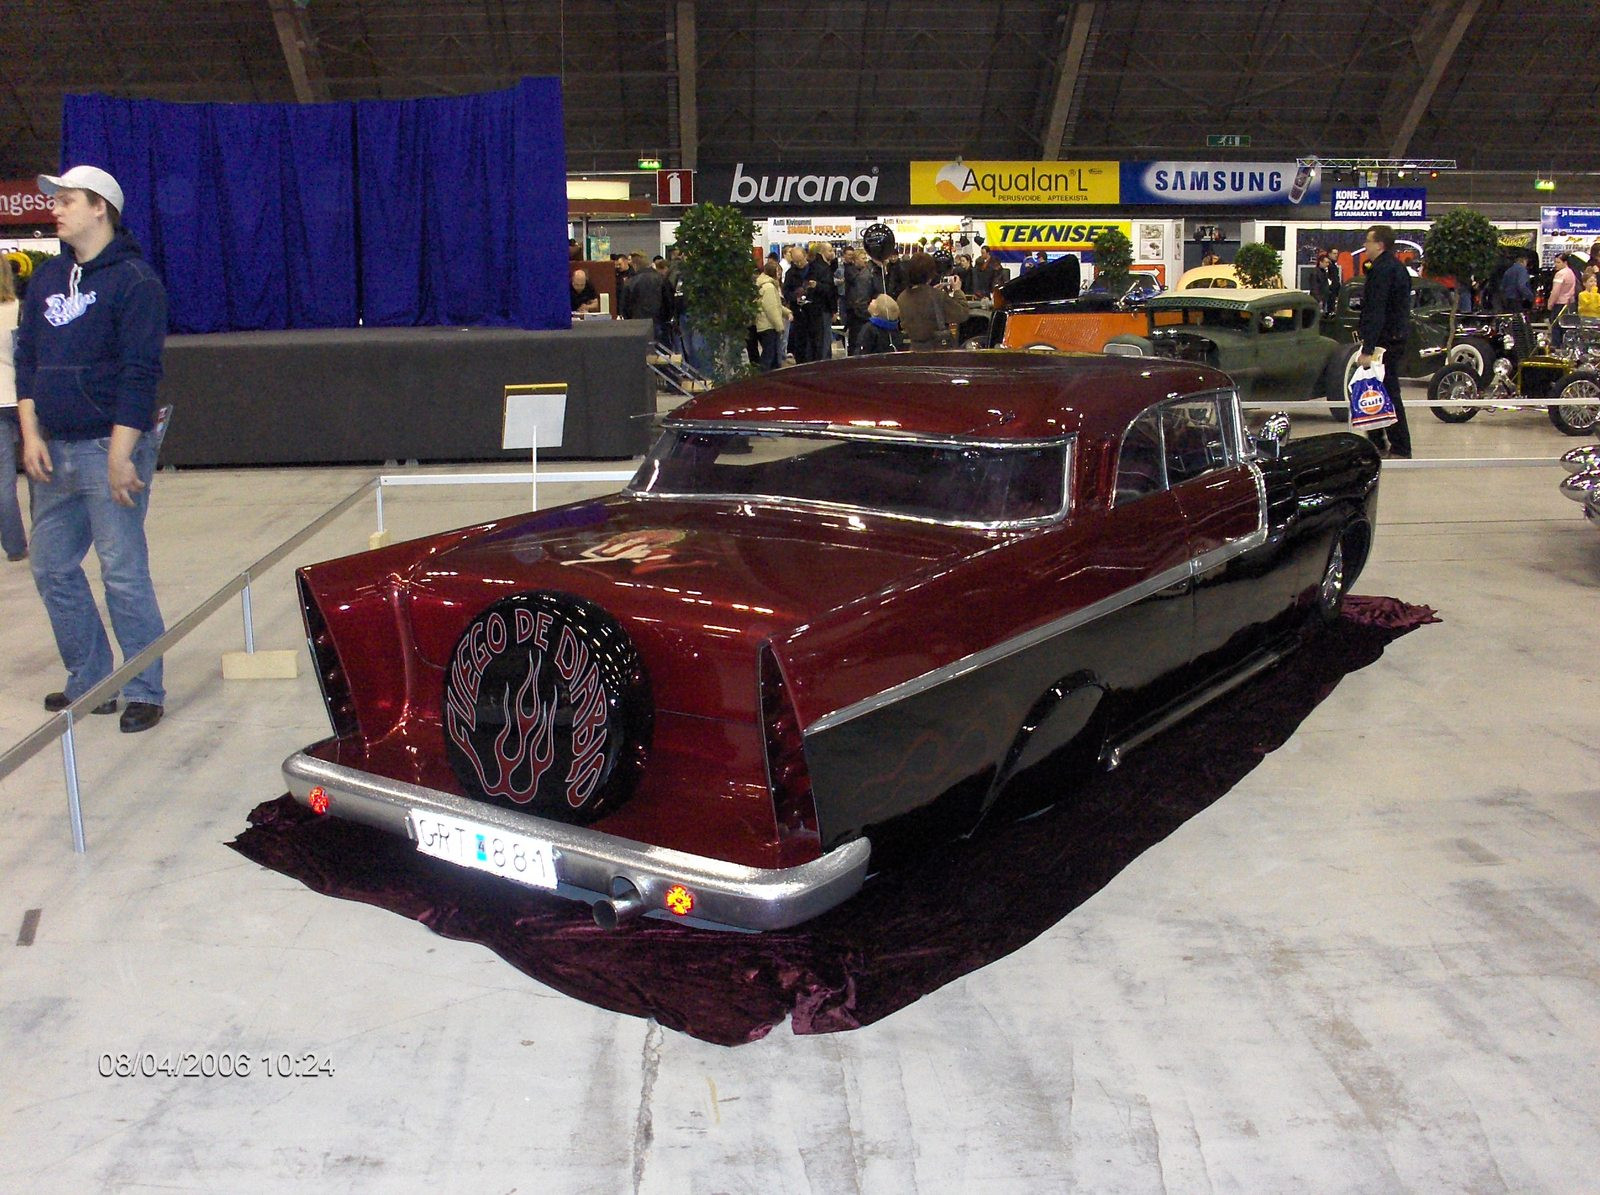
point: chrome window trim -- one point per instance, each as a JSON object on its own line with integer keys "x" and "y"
{"x": 1064, "y": 511}
{"x": 1235, "y": 449}
{"x": 847, "y": 431}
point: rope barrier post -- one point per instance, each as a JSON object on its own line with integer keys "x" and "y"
{"x": 249, "y": 617}
{"x": 69, "y": 764}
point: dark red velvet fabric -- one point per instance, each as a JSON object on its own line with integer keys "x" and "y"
{"x": 908, "y": 932}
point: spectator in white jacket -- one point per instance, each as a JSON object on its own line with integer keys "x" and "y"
{"x": 771, "y": 317}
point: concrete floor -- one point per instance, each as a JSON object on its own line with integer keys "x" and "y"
{"x": 1371, "y": 967}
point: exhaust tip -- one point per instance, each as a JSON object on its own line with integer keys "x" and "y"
{"x": 625, "y": 904}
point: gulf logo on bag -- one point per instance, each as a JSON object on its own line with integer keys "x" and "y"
{"x": 1370, "y": 400}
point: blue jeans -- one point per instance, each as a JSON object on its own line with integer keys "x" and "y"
{"x": 71, "y": 511}
{"x": 13, "y": 535}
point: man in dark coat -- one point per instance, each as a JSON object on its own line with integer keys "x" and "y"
{"x": 796, "y": 300}
{"x": 1385, "y": 319}
{"x": 822, "y": 291}
{"x": 847, "y": 315}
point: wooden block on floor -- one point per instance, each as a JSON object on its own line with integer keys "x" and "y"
{"x": 260, "y": 665}
{"x": 378, "y": 539}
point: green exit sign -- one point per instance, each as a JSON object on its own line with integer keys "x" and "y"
{"x": 649, "y": 163}
{"x": 1544, "y": 184}
{"x": 1228, "y": 141}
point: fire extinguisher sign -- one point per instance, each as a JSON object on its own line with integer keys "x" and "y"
{"x": 674, "y": 188}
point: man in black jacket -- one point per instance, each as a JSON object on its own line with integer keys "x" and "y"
{"x": 1385, "y": 318}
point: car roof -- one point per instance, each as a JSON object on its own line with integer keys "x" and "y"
{"x": 1230, "y": 300}
{"x": 1201, "y": 273}
{"x": 995, "y": 394}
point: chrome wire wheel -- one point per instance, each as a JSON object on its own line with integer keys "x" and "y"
{"x": 1456, "y": 383}
{"x": 1330, "y": 595}
{"x": 1576, "y": 418}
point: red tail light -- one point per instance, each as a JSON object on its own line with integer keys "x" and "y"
{"x": 793, "y": 804}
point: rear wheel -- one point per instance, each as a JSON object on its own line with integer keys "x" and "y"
{"x": 1451, "y": 387}
{"x": 1336, "y": 376}
{"x": 1576, "y": 409}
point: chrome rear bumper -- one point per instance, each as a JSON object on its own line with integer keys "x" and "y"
{"x": 593, "y": 866}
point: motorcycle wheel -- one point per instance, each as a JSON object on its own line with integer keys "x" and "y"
{"x": 1449, "y": 386}
{"x": 1576, "y": 409}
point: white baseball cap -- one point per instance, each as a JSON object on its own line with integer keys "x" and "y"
{"x": 84, "y": 178}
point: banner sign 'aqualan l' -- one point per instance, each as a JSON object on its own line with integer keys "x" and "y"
{"x": 1014, "y": 183}
{"x": 1232, "y": 184}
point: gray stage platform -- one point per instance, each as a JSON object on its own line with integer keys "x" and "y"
{"x": 357, "y": 395}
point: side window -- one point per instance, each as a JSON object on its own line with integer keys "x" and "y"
{"x": 1140, "y": 471}
{"x": 1192, "y": 430}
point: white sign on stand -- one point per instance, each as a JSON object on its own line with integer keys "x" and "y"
{"x": 535, "y": 417}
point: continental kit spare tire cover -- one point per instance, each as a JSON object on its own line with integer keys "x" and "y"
{"x": 547, "y": 707}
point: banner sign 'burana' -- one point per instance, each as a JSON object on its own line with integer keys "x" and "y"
{"x": 1049, "y": 234}
{"x": 992, "y": 183}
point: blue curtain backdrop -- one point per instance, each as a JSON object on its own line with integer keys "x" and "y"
{"x": 391, "y": 213}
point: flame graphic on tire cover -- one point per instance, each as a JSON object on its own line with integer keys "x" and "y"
{"x": 535, "y": 740}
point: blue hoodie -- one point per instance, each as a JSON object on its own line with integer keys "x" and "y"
{"x": 89, "y": 342}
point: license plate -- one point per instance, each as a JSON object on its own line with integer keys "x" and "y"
{"x": 512, "y": 856}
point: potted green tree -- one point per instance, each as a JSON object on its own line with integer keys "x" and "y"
{"x": 1463, "y": 245}
{"x": 1113, "y": 258}
{"x": 719, "y": 290}
{"x": 1258, "y": 265}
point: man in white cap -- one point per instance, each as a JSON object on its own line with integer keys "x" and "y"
{"x": 88, "y": 359}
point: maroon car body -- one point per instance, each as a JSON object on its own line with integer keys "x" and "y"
{"x": 841, "y": 606}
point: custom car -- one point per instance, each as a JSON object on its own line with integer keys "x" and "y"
{"x": 1046, "y": 309}
{"x": 1582, "y": 483}
{"x": 837, "y": 609}
{"x": 1268, "y": 341}
{"x": 1522, "y": 366}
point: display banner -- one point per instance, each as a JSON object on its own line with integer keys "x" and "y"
{"x": 1024, "y": 183}
{"x": 1027, "y": 235}
{"x": 1570, "y": 221}
{"x": 792, "y": 230}
{"x": 1236, "y": 184}
{"x": 21, "y": 202}
{"x": 831, "y": 185}
{"x": 1375, "y": 204}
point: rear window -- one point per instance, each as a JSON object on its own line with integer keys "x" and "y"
{"x": 947, "y": 483}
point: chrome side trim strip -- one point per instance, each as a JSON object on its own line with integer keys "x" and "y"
{"x": 1113, "y": 755}
{"x": 989, "y": 655}
{"x": 587, "y": 860}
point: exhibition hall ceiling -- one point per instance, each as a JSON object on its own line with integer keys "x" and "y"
{"x": 774, "y": 81}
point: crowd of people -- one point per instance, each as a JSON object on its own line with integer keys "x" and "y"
{"x": 890, "y": 303}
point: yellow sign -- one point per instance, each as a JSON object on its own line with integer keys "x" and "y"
{"x": 1015, "y": 182}
{"x": 1054, "y": 235}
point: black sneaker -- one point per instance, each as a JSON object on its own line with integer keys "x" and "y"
{"x": 140, "y": 715}
{"x": 16, "y": 556}
{"x": 56, "y": 702}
